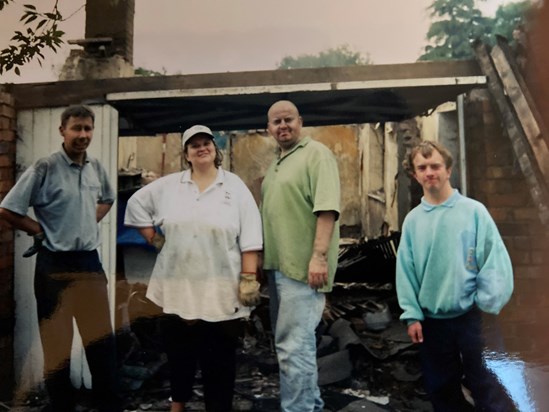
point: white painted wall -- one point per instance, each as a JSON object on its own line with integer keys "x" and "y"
{"x": 38, "y": 136}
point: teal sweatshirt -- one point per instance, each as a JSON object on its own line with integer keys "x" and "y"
{"x": 451, "y": 257}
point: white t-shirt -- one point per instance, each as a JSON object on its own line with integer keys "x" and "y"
{"x": 197, "y": 272}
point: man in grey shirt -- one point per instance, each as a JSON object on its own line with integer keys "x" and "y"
{"x": 70, "y": 193}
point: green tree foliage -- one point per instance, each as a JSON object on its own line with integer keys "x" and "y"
{"x": 456, "y": 23}
{"x": 510, "y": 16}
{"x": 41, "y": 33}
{"x": 141, "y": 71}
{"x": 334, "y": 57}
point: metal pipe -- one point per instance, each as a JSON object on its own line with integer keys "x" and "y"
{"x": 461, "y": 137}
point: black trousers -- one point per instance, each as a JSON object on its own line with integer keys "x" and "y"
{"x": 67, "y": 286}
{"x": 208, "y": 345}
{"x": 451, "y": 349}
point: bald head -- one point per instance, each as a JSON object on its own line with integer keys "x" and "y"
{"x": 284, "y": 124}
{"x": 282, "y": 105}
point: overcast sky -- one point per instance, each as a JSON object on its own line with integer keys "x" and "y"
{"x": 207, "y": 36}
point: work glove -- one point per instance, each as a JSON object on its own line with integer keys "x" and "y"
{"x": 38, "y": 239}
{"x": 158, "y": 241}
{"x": 248, "y": 289}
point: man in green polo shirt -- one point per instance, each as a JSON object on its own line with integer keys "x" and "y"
{"x": 300, "y": 209}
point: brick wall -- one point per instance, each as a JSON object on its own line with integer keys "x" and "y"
{"x": 537, "y": 67}
{"x": 7, "y": 304}
{"x": 496, "y": 180}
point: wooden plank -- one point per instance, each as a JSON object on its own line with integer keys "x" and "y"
{"x": 26, "y": 335}
{"x": 530, "y": 170}
{"x": 326, "y": 96}
{"x": 106, "y": 144}
{"x": 33, "y": 128}
{"x": 516, "y": 93}
{"x": 304, "y": 87}
{"x": 504, "y": 47}
{"x": 390, "y": 167}
{"x": 63, "y": 93}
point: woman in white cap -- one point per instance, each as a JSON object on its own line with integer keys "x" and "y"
{"x": 204, "y": 278}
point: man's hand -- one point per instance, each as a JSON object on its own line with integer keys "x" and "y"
{"x": 318, "y": 265}
{"x": 248, "y": 289}
{"x": 415, "y": 332}
{"x": 38, "y": 239}
{"x": 318, "y": 271}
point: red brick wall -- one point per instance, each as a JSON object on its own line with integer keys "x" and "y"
{"x": 537, "y": 67}
{"x": 495, "y": 179}
{"x": 7, "y": 304}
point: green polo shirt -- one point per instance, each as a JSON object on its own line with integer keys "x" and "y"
{"x": 303, "y": 182}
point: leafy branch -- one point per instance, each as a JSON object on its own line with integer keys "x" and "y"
{"x": 342, "y": 55}
{"x": 41, "y": 32}
{"x": 456, "y": 23}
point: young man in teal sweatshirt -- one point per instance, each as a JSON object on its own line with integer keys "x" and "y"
{"x": 451, "y": 265}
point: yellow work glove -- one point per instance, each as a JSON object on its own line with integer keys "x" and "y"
{"x": 248, "y": 289}
{"x": 158, "y": 241}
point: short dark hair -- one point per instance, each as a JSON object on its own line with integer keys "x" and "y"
{"x": 425, "y": 148}
{"x": 77, "y": 110}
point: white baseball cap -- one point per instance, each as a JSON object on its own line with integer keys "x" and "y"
{"x": 193, "y": 131}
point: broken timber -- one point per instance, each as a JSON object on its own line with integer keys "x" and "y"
{"x": 523, "y": 103}
{"x": 520, "y": 120}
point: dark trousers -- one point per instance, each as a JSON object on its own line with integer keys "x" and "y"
{"x": 208, "y": 345}
{"x": 451, "y": 349}
{"x": 67, "y": 286}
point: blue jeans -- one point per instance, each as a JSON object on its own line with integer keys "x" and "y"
{"x": 296, "y": 310}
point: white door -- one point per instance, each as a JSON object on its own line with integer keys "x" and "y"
{"x": 38, "y": 136}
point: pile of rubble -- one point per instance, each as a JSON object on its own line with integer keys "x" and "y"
{"x": 366, "y": 360}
